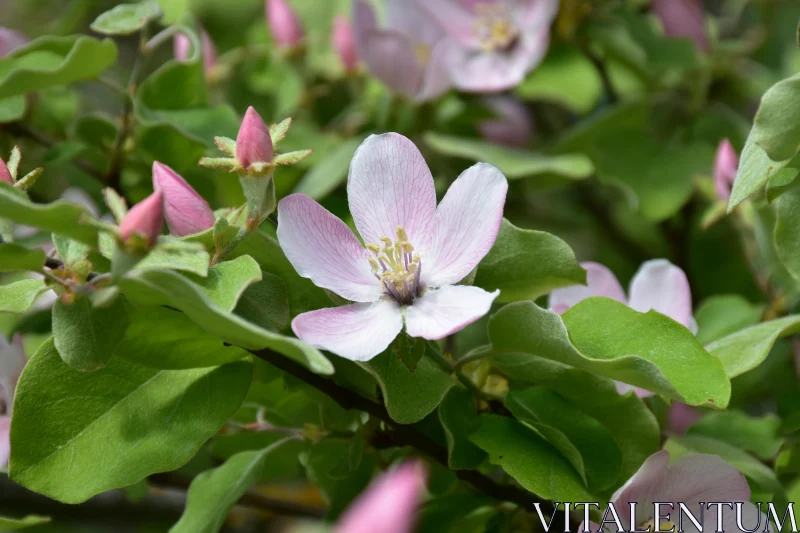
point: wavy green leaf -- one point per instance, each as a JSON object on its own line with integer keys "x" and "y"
{"x": 15, "y": 257}
{"x": 18, "y": 296}
{"x": 777, "y": 123}
{"x": 755, "y": 170}
{"x": 227, "y": 281}
{"x": 458, "y": 415}
{"x": 125, "y": 19}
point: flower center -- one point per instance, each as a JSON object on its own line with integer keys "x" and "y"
{"x": 494, "y": 28}
{"x": 423, "y": 53}
{"x": 397, "y": 267}
{"x": 665, "y": 525}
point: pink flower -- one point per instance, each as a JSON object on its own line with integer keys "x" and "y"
{"x": 182, "y": 45}
{"x": 186, "y": 211}
{"x": 658, "y": 285}
{"x": 12, "y": 361}
{"x": 5, "y": 174}
{"x": 344, "y": 42}
{"x": 391, "y": 501}
{"x": 692, "y": 480}
{"x": 10, "y": 40}
{"x": 253, "y": 142}
{"x": 726, "y": 164}
{"x": 492, "y": 45}
{"x": 512, "y": 127}
{"x": 408, "y": 55}
{"x": 414, "y": 256}
{"x": 683, "y": 18}
{"x": 283, "y": 23}
{"x": 145, "y": 218}
{"x": 681, "y": 417}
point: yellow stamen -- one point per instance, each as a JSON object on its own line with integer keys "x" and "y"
{"x": 374, "y": 248}
{"x": 373, "y": 265}
{"x": 401, "y": 234}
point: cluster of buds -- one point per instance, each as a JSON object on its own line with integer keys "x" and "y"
{"x": 8, "y": 172}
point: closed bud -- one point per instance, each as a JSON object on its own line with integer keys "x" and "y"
{"x": 253, "y": 142}
{"x": 185, "y": 210}
{"x": 345, "y": 44}
{"x": 283, "y": 23}
{"x": 10, "y": 40}
{"x": 5, "y": 174}
{"x": 683, "y": 18}
{"x": 145, "y": 218}
{"x": 182, "y": 48}
{"x": 726, "y": 164}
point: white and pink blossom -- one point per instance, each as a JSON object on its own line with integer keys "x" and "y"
{"x": 414, "y": 253}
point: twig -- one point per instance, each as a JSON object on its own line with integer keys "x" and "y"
{"x": 605, "y": 78}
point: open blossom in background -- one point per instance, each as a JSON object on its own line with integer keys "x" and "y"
{"x": 415, "y": 252}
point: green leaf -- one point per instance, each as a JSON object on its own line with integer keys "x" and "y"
{"x": 529, "y": 459}
{"x": 163, "y": 287}
{"x": 113, "y": 427}
{"x": 787, "y": 231}
{"x": 458, "y": 415}
{"x": 15, "y": 257}
{"x": 755, "y": 435}
{"x": 13, "y": 524}
{"x": 125, "y": 19}
{"x": 69, "y": 250}
{"x": 59, "y": 217}
{"x": 330, "y": 171}
{"x": 777, "y": 123}
{"x": 50, "y": 60}
{"x": 227, "y": 281}
{"x": 86, "y": 336}
{"x": 409, "y": 397}
{"x": 586, "y": 443}
{"x": 18, "y": 296}
{"x": 322, "y": 458}
{"x": 605, "y": 338}
{"x": 163, "y": 338}
{"x": 213, "y": 493}
{"x": 409, "y": 350}
{"x": 724, "y": 314}
{"x": 265, "y": 303}
{"x": 525, "y": 264}
{"x": 514, "y": 163}
{"x": 780, "y": 182}
{"x": 755, "y": 170}
{"x": 748, "y": 348}
{"x": 12, "y": 108}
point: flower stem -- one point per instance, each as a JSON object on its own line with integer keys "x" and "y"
{"x": 476, "y": 354}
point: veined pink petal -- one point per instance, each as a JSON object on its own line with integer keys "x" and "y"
{"x": 662, "y": 286}
{"x": 446, "y": 310}
{"x": 391, "y": 501}
{"x": 512, "y": 125}
{"x": 390, "y": 185}
{"x": 283, "y": 23}
{"x": 600, "y": 281}
{"x": 623, "y": 388}
{"x": 185, "y": 210}
{"x": 726, "y": 164}
{"x": 344, "y": 43}
{"x": 5, "y": 441}
{"x": 456, "y": 19}
{"x": 253, "y": 142}
{"x": 322, "y": 248}
{"x": 145, "y": 218}
{"x": 391, "y": 58}
{"x": 701, "y": 478}
{"x": 681, "y": 417}
{"x": 10, "y": 40}
{"x": 5, "y": 174}
{"x": 12, "y": 361}
{"x": 357, "y": 332}
{"x": 641, "y": 484}
{"x": 683, "y": 18}
{"x": 465, "y": 225}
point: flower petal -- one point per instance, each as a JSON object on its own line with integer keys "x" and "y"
{"x": 701, "y": 478}
{"x": 407, "y": 18}
{"x": 600, "y": 281}
{"x": 322, "y": 248}
{"x": 465, "y": 225}
{"x": 642, "y": 482}
{"x": 435, "y": 79}
{"x": 357, "y": 332}
{"x": 662, "y": 286}
{"x": 623, "y": 388}
{"x": 458, "y": 22}
{"x": 441, "y": 312}
{"x": 5, "y": 441}
{"x": 536, "y": 13}
{"x": 390, "y": 185}
{"x": 185, "y": 211}
{"x": 391, "y": 58}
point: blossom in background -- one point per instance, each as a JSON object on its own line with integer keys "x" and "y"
{"x": 391, "y": 501}
{"x": 253, "y": 142}
{"x": 407, "y": 54}
{"x": 415, "y": 252}
{"x": 10, "y": 40}
{"x": 683, "y": 18}
{"x": 12, "y": 361}
{"x": 492, "y": 44}
{"x": 658, "y": 285}
{"x": 512, "y": 127}
{"x": 344, "y": 42}
{"x": 726, "y": 164}
{"x": 681, "y": 417}
{"x": 283, "y": 24}
{"x": 144, "y": 219}
{"x": 691, "y": 480}
{"x": 185, "y": 210}
{"x": 182, "y": 46}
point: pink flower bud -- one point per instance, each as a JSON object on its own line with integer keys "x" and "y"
{"x": 683, "y": 18}
{"x": 389, "y": 503}
{"x": 5, "y": 174}
{"x": 253, "y": 142}
{"x": 681, "y": 417}
{"x": 726, "y": 164}
{"x": 344, "y": 42}
{"x": 185, "y": 210}
{"x": 283, "y": 23}
{"x": 145, "y": 218}
{"x": 10, "y": 40}
{"x": 182, "y": 45}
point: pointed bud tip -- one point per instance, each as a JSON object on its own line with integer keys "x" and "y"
{"x": 726, "y": 165}
{"x": 5, "y": 174}
{"x": 145, "y": 218}
{"x": 344, "y": 43}
{"x": 253, "y": 142}
{"x": 185, "y": 211}
{"x": 283, "y": 23}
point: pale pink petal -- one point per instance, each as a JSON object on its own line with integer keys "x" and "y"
{"x": 407, "y": 18}
{"x": 283, "y": 23}
{"x": 683, "y": 18}
{"x": 364, "y": 22}
{"x": 357, "y": 332}
{"x": 322, "y": 248}
{"x": 681, "y": 417}
{"x": 457, "y": 20}
{"x": 12, "y": 361}
{"x": 623, "y": 388}
{"x": 512, "y": 125}
{"x": 444, "y": 311}
{"x": 145, "y": 218}
{"x": 435, "y": 79}
{"x": 536, "y": 13}
{"x": 391, "y": 58}
{"x": 344, "y": 43}
{"x": 726, "y": 164}
{"x": 639, "y": 486}
{"x": 10, "y": 40}
{"x": 390, "y": 185}
{"x": 465, "y": 225}
{"x": 389, "y": 504}
{"x": 663, "y": 287}
{"x": 209, "y": 51}
{"x": 5, "y": 441}
{"x": 600, "y": 281}
{"x": 701, "y": 478}
{"x": 185, "y": 210}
